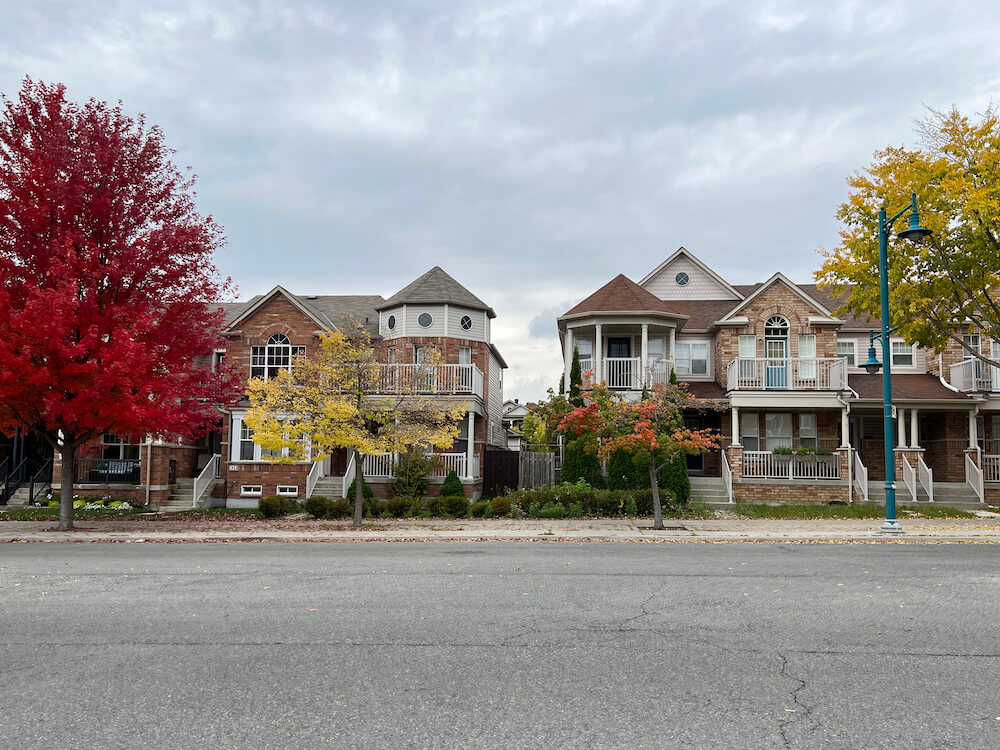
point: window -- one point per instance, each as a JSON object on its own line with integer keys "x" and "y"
{"x": 776, "y": 325}
{"x": 267, "y": 361}
{"x": 974, "y": 346}
{"x": 750, "y": 436}
{"x": 424, "y": 320}
{"x": 981, "y": 432}
{"x": 778, "y": 429}
{"x": 461, "y": 444}
{"x": 251, "y": 490}
{"x": 692, "y": 358}
{"x": 391, "y": 322}
{"x": 115, "y": 446}
{"x": 655, "y": 349}
{"x": 902, "y": 354}
{"x": 218, "y": 357}
{"x": 390, "y": 355}
{"x": 465, "y": 373}
{"x": 682, "y": 279}
{"x": 807, "y": 431}
{"x": 848, "y": 349}
{"x": 807, "y": 356}
{"x": 585, "y": 348}
{"x": 288, "y": 490}
{"x": 466, "y": 322}
{"x": 748, "y": 346}
{"x": 247, "y": 446}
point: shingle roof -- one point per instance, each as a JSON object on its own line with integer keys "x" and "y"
{"x": 437, "y": 287}
{"x": 331, "y": 310}
{"x": 711, "y": 391}
{"x": 703, "y": 312}
{"x": 904, "y": 387}
{"x": 621, "y": 294}
{"x": 831, "y": 301}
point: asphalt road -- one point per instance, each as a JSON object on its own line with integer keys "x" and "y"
{"x": 499, "y": 645}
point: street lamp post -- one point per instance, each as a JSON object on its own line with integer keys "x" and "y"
{"x": 914, "y": 233}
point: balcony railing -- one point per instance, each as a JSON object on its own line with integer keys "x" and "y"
{"x": 991, "y": 467}
{"x": 767, "y": 465}
{"x": 626, "y": 373}
{"x": 787, "y": 374}
{"x": 975, "y": 375}
{"x": 380, "y": 465}
{"x": 434, "y": 379}
{"x": 106, "y": 471}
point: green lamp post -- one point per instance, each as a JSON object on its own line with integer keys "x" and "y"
{"x": 914, "y": 233}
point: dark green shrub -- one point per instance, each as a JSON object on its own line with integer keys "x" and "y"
{"x": 674, "y": 477}
{"x": 452, "y": 486}
{"x": 410, "y": 473}
{"x": 434, "y": 506}
{"x": 625, "y": 474}
{"x": 574, "y": 510}
{"x": 629, "y": 508}
{"x": 399, "y": 507}
{"x": 316, "y": 506}
{"x": 366, "y": 491}
{"x": 455, "y": 506}
{"x": 548, "y": 510}
{"x": 341, "y": 508}
{"x": 375, "y": 507}
{"x": 581, "y": 462}
{"x": 500, "y": 506}
{"x": 575, "y": 379}
{"x": 275, "y": 507}
{"x": 478, "y": 508}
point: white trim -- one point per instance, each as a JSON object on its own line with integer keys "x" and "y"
{"x": 251, "y": 490}
{"x": 287, "y": 490}
{"x": 687, "y": 253}
{"x": 325, "y": 325}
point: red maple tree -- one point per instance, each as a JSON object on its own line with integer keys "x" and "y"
{"x": 107, "y": 319}
{"x": 651, "y": 430}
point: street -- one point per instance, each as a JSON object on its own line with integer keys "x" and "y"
{"x": 388, "y": 645}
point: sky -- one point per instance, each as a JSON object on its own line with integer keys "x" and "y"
{"x": 533, "y": 149}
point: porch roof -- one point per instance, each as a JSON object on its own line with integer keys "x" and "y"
{"x": 904, "y": 387}
{"x": 710, "y": 391}
{"x": 621, "y": 294}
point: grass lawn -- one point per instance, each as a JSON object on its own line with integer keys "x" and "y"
{"x": 855, "y": 510}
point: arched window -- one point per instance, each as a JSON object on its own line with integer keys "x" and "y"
{"x": 777, "y": 326}
{"x": 277, "y": 355}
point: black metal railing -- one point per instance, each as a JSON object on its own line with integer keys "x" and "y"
{"x": 39, "y": 480}
{"x": 106, "y": 471}
{"x": 12, "y": 479}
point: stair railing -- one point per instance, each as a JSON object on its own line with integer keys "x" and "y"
{"x": 39, "y": 479}
{"x": 727, "y": 477}
{"x": 861, "y": 476}
{"x": 348, "y": 476}
{"x": 312, "y": 477}
{"x": 13, "y": 480}
{"x": 910, "y": 479}
{"x": 926, "y": 476}
{"x": 205, "y": 479}
{"x": 974, "y": 477}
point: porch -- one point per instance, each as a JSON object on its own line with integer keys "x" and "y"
{"x": 427, "y": 379}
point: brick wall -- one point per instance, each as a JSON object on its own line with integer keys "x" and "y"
{"x": 813, "y": 493}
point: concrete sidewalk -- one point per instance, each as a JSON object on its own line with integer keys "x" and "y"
{"x": 979, "y": 530}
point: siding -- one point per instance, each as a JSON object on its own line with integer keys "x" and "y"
{"x": 383, "y": 323}
{"x": 415, "y": 311}
{"x": 494, "y": 404}
{"x": 478, "y": 330}
{"x": 921, "y": 357}
{"x": 700, "y": 285}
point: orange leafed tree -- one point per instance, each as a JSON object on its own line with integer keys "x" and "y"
{"x": 652, "y": 430}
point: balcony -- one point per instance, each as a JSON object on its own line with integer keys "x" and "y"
{"x": 766, "y": 465}
{"x": 626, "y": 373}
{"x": 975, "y": 375}
{"x": 786, "y": 374}
{"x": 106, "y": 471}
{"x": 427, "y": 379}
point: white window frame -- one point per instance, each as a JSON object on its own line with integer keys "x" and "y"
{"x": 807, "y": 440}
{"x": 747, "y": 346}
{"x": 750, "y": 430}
{"x": 893, "y": 353}
{"x": 776, "y": 439}
{"x": 683, "y": 363}
{"x": 807, "y": 360}
{"x": 277, "y": 354}
{"x": 287, "y": 490}
{"x": 852, "y": 356}
{"x": 661, "y": 346}
{"x": 251, "y": 490}
{"x": 589, "y": 354}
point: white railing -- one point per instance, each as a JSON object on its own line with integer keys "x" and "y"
{"x": 205, "y": 479}
{"x": 312, "y": 477}
{"x": 991, "y": 468}
{"x": 475, "y": 466}
{"x": 448, "y": 462}
{"x": 623, "y": 372}
{"x": 767, "y": 465}
{"x": 377, "y": 465}
{"x": 430, "y": 379}
{"x": 586, "y": 365}
{"x": 861, "y": 476}
{"x": 762, "y": 373}
{"x": 909, "y": 479}
{"x": 975, "y": 375}
{"x": 926, "y": 477}
{"x": 658, "y": 371}
{"x": 348, "y": 476}
{"x": 974, "y": 477}
{"x": 727, "y": 477}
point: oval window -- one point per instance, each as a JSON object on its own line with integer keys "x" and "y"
{"x": 466, "y": 322}
{"x": 391, "y": 322}
{"x": 681, "y": 279}
{"x": 425, "y": 320}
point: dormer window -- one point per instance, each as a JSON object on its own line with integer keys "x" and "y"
{"x": 277, "y": 355}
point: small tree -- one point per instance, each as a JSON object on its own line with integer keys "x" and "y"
{"x": 581, "y": 461}
{"x": 332, "y": 400}
{"x": 410, "y": 472}
{"x": 575, "y": 379}
{"x": 652, "y": 429}
{"x": 106, "y": 302}
{"x": 452, "y": 486}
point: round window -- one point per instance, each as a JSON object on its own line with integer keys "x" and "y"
{"x": 425, "y": 320}
{"x": 681, "y": 279}
{"x": 466, "y": 322}
{"x": 391, "y": 322}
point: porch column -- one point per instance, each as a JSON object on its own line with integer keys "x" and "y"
{"x": 845, "y": 428}
{"x": 568, "y": 358}
{"x": 736, "y": 425}
{"x": 645, "y": 353}
{"x": 598, "y": 351}
{"x": 901, "y": 427}
{"x": 973, "y": 438}
{"x": 673, "y": 331}
{"x": 914, "y": 437}
{"x": 470, "y": 446}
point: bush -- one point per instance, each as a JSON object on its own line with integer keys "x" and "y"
{"x": 674, "y": 477}
{"x": 434, "y": 506}
{"x": 410, "y": 473}
{"x": 321, "y": 507}
{"x": 625, "y": 474}
{"x": 581, "y": 463}
{"x": 399, "y": 506}
{"x": 275, "y": 507}
{"x": 548, "y": 510}
{"x": 500, "y": 506}
{"x": 455, "y": 506}
{"x": 375, "y": 507}
{"x": 452, "y": 486}
{"x": 315, "y": 506}
{"x": 574, "y": 510}
{"x": 366, "y": 491}
{"x": 479, "y": 509}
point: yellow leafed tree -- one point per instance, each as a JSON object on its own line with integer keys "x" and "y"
{"x": 341, "y": 397}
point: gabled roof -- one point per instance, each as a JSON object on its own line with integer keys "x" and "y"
{"x": 437, "y": 287}
{"x": 329, "y": 311}
{"x": 321, "y": 320}
{"x": 690, "y": 256}
{"x": 621, "y": 294}
{"x": 779, "y": 278}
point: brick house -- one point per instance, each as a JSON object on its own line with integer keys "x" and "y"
{"x": 799, "y": 417}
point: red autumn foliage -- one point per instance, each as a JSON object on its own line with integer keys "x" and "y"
{"x": 106, "y": 317}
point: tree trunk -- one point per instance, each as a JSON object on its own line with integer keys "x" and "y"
{"x": 66, "y": 486}
{"x": 655, "y": 485}
{"x": 359, "y": 482}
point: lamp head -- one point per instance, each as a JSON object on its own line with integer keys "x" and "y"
{"x": 872, "y": 365}
{"x": 914, "y": 232}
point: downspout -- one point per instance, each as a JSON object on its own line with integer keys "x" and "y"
{"x": 149, "y": 464}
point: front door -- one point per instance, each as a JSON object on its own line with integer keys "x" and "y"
{"x": 619, "y": 365}
{"x": 776, "y": 363}
{"x": 695, "y": 463}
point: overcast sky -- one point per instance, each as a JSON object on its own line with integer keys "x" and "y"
{"x": 532, "y": 149}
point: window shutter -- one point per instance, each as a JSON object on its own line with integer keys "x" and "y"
{"x": 234, "y": 438}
